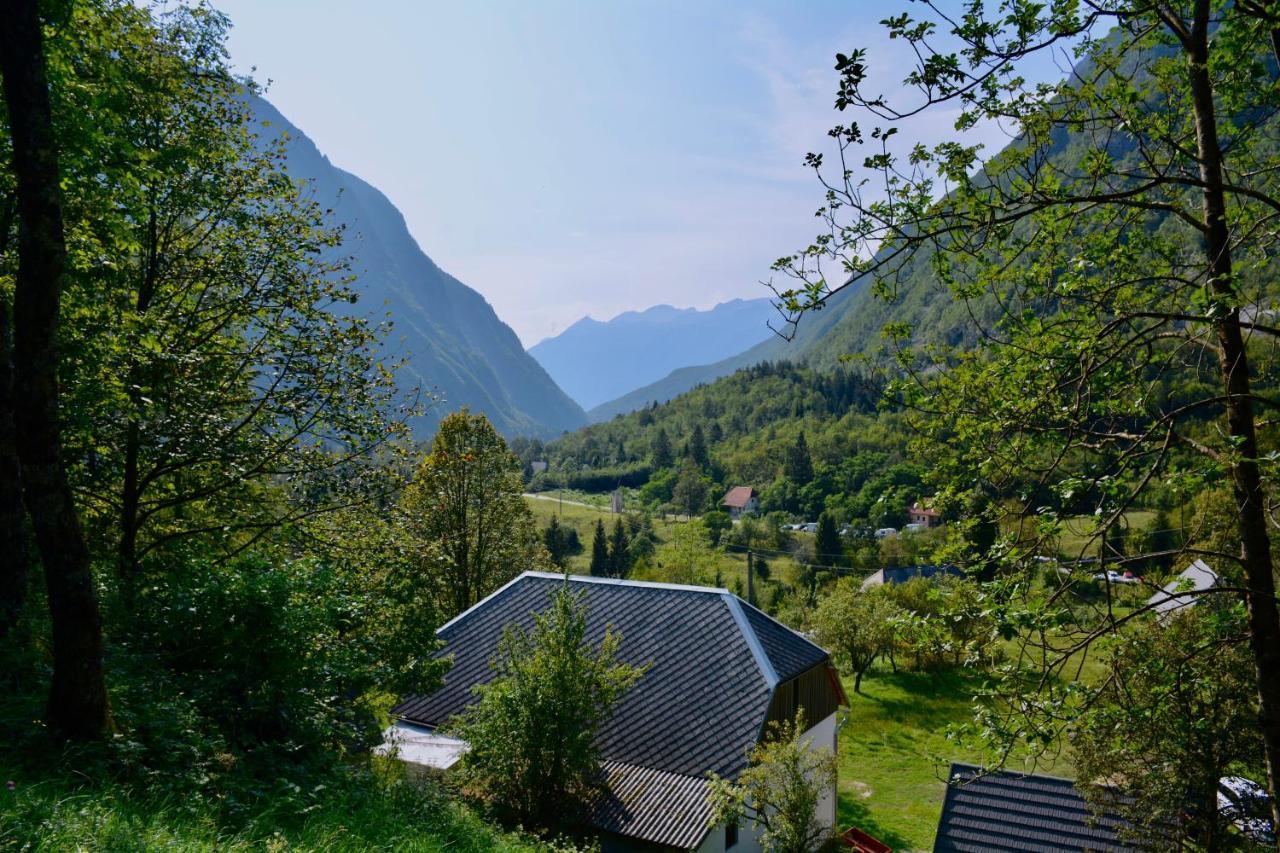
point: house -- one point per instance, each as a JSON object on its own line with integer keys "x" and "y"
{"x": 920, "y": 513}
{"x": 902, "y": 574}
{"x": 1006, "y": 811}
{"x": 740, "y": 501}
{"x": 1184, "y": 590}
{"x": 720, "y": 670}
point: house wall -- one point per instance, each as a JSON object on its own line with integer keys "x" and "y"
{"x": 825, "y": 735}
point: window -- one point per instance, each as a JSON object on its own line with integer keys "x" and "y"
{"x": 730, "y": 835}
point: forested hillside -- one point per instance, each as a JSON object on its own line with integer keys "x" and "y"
{"x": 452, "y": 343}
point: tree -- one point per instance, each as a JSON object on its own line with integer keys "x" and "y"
{"x": 857, "y": 626}
{"x": 690, "y": 491}
{"x": 1121, "y": 241}
{"x": 717, "y": 522}
{"x": 1175, "y": 716}
{"x": 780, "y": 789}
{"x": 532, "y": 729}
{"x": 600, "y": 552}
{"x": 619, "y": 551}
{"x": 661, "y": 450}
{"x": 828, "y": 547}
{"x": 78, "y": 704}
{"x": 697, "y": 448}
{"x": 687, "y": 556}
{"x": 798, "y": 466}
{"x": 466, "y": 510}
{"x": 556, "y": 540}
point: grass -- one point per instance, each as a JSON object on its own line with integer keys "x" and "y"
{"x": 52, "y": 814}
{"x": 894, "y": 752}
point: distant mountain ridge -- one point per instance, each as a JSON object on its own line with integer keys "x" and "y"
{"x": 455, "y": 345}
{"x": 597, "y": 361}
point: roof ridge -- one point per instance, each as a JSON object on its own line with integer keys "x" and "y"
{"x": 677, "y": 587}
{"x": 1022, "y": 774}
{"x": 749, "y": 634}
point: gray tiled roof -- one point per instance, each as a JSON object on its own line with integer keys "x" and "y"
{"x": 661, "y": 808}
{"x": 715, "y": 661}
{"x": 1005, "y": 811}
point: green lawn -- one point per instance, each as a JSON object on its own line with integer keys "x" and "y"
{"x": 894, "y": 753}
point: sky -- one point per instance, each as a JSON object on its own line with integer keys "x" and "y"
{"x": 578, "y": 158}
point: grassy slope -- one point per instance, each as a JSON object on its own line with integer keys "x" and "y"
{"x": 49, "y": 814}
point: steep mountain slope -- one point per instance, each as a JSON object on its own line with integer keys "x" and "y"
{"x": 454, "y": 344}
{"x": 598, "y": 361}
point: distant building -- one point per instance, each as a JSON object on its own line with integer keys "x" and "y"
{"x": 740, "y": 501}
{"x": 615, "y": 502}
{"x": 539, "y": 466}
{"x": 902, "y": 574}
{"x": 1184, "y": 590}
{"x": 1003, "y": 810}
{"x": 924, "y": 515}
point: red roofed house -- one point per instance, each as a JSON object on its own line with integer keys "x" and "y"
{"x": 740, "y": 501}
{"x": 923, "y": 514}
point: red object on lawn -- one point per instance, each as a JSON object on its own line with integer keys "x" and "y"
{"x": 859, "y": 842}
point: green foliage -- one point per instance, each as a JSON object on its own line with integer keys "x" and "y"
{"x": 466, "y": 515}
{"x": 780, "y": 789}
{"x": 687, "y": 556}
{"x": 689, "y": 495}
{"x": 798, "y": 466}
{"x": 716, "y": 522}
{"x": 600, "y": 552}
{"x": 857, "y": 626}
{"x": 619, "y": 551}
{"x": 828, "y": 547}
{"x": 532, "y": 730}
{"x": 1176, "y": 714}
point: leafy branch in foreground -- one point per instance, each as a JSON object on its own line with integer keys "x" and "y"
{"x": 1116, "y": 262}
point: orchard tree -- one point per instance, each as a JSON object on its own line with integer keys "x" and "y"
{"x": 1117, "y": 249}
{"x": 466, "y": 510}
{"x": 857, "y": 626}
{"x": 532, "y": 731}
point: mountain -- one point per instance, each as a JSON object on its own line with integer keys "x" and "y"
{"x": 598, "y": 361}
{"x": 453, "y": 342}
{"x": 807, "y": 339}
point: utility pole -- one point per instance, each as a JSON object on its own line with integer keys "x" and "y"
{"x": 751, "y": 572}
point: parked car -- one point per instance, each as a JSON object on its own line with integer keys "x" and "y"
{"x": 915, "y": 527}
{"x": 886, "y": 531}
{"x": 1248, "y": 806}
{"x": 1115, "y": 577}
{"x": 809, "y": 527}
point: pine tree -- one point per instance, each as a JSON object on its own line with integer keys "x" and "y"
{"x": 600, "y": 553}
{"x": 619, "y": 551}
{"x": 698, "y": 447}
{"x": 555, "y": 541}
{"x": 798, "y": 467}
{"x": 661, "y": 450}
{"x": 828, "y": 548}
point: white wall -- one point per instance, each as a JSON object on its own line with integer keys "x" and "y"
{"x": 823, "y": 735}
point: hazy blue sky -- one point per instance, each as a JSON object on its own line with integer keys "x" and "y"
{"x": 570, "y": 158}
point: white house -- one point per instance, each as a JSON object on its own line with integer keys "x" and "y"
{"x": 719, "y": 671}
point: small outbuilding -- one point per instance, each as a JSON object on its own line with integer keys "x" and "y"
{"x": 902, "y": 574}
{"x": 1007, "y": 811}
{"x": 1184, "y": 590}
{"x": 924, "y": 515}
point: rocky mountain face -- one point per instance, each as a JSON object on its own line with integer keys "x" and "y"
{"x": 454, "y": 344}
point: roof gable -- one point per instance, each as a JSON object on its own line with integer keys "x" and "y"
{"x": 738, "y": 496}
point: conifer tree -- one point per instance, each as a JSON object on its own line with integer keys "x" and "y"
{"x": 600, "y": 565}
{"x": 619, "y": 551}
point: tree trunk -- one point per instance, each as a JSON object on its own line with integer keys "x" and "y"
{"x": 1246, "y": 481}
{"x": 13, "y": 529}
{"x": 78, "y": 705}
